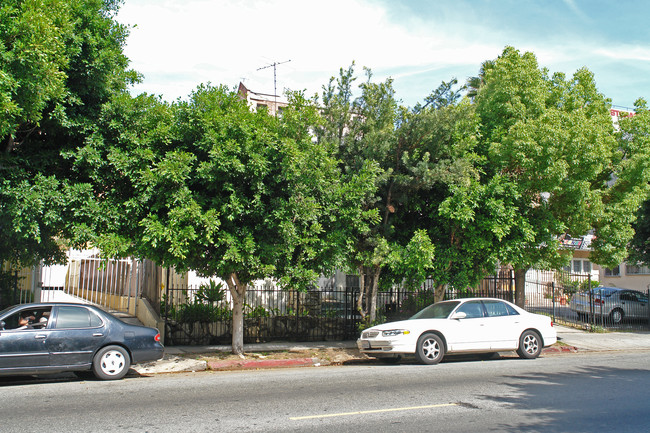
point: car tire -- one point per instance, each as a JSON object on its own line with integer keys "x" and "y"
{"x": 616, "y": 316}
{"x": 582, "y": 317}
{"x": 530, "y": 345}
{"x": 430, "y": 349}
{"x": 111, "y": 363}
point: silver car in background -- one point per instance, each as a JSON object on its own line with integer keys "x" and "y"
{"x": 612, "y": 303}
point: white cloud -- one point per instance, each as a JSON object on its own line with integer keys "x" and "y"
{"x": 626, "y": 52}
{"x": 179, "y": 44}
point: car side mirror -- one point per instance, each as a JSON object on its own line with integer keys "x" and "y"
{"x": 459, "y": 315}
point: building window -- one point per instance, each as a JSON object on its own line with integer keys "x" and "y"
{"x": 637, "y": 270}
{"x": 580, "y": 267}
{"x": 613, "y": 272}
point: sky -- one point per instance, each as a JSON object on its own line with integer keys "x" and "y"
{"x": 178, "y": 44}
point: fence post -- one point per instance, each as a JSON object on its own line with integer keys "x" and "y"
{"x": 647, "y": 293}
{"x": 297, "y": 309}
{"x": 591, "y": 303}
{"x": 167, "y": 300}
{"x": 553, "y": 298}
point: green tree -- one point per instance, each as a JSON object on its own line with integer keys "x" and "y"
{"x": 424, "y": 156}
{"x": 551, "y": 140}
{"x": 60, "y": 61}
{"x": 209, "y": 185}
{"x": 622, "y": 231}
{"x": 364, "y": 130}
{"x": 463, "y": 218}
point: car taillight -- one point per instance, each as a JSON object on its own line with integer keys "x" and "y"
{"x": 598, "y": 301}
{"x": 552, "y": 324}
{"x": 157, "y": 337}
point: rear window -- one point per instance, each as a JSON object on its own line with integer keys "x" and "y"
{"x": 498, "y": 308}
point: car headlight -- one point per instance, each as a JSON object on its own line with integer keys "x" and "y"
{"x": 395, "y": 332}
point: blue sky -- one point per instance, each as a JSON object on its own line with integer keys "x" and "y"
{"x": 178, "y": 44}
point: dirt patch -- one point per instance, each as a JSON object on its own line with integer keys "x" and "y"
{"x": 327, "y": 356}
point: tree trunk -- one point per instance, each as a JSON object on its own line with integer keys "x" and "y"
{"x": 369, "y": 283}
{"x": 520, "y": 287}
{"x": 373, "y": 294}
{"x": 238, "y": 292}
{"x": 439, "y": 293}
{"x": 362, "y": 291}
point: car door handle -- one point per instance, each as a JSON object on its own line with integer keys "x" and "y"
{"x": 40, "y": 336}
{"x": 98, "y": 334}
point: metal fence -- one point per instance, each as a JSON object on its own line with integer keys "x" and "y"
{"x": 112, "y": 284}
{"x": 193, "y": 316}
{"x": 271, "y": 313}
{"x": 576, "y": 300}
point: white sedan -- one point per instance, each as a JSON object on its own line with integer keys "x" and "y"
{"x": 474, "y": 325}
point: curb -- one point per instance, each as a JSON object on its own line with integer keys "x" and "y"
{"x": 178, "y": 364}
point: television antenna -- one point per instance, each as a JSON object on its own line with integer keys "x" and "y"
{"x": 275, "y": 83}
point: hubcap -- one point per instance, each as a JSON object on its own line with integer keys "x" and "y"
{"x": 112, "y": 362}
{"x": 616, "y": 316}
{"x": 530, "y": 344}
{"x": 430, "y": 349}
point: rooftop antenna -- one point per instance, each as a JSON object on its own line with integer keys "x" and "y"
{"x": 275, "y": 83}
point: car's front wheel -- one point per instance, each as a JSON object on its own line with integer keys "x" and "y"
{"x": 530, "y": 345}
{"x": 430, "y": 349}
{"x": 111, "y": 363}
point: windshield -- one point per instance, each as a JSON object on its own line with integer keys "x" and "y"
{"x": 441, "y": 310}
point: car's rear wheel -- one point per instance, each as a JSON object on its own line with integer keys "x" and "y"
{"x": 111, "y": 363}
{"x": 616, "y": 316}
{"x": 530, "y": 345}
{"x": 430, "y": 349}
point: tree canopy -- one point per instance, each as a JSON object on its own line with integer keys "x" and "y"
{"x": 60, "y": 61}
{"x": 212, "y": 186}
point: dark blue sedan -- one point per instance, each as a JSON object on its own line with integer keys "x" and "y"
{"x": 54, "y": 337}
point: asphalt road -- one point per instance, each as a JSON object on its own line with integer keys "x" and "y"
{"x": 564, "y": 393}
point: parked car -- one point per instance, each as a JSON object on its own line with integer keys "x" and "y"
{"x": 54, "y": 337}
{"x": 475, "y": 325}
{"x": 613, "y": 303}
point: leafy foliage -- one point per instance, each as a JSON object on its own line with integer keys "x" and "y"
{"x": 60, "y": 62}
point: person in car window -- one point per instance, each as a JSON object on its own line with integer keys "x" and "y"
{"x": 24, "y": 322}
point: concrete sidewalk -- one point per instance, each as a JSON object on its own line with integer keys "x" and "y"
{"x": 178, "y": 358}
{"x": 603, "y": 341}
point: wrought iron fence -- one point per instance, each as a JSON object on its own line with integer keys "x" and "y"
{"x": 271, "y": 313}
{"x": 194, "y": 317}
{"x": 577, "y": 300}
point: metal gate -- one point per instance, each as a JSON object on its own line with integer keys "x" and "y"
{"x": 87, "y": 278}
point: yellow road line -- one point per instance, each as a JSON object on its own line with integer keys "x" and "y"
{"x": 364, "y": 412}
